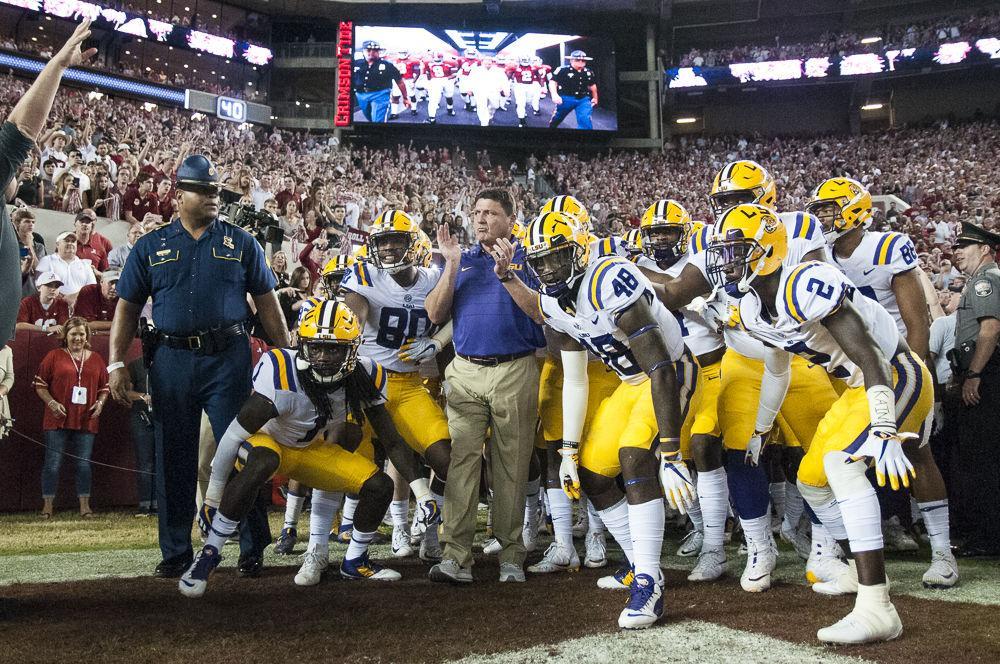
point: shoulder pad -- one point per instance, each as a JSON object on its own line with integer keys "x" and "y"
{"x": 895, "y": 249}
{"x": 699, "y": 239}
{"x": 614, "y": 284}
{"x": 813, "y": 291}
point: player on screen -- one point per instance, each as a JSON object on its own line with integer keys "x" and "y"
{"x": 441, "y": 73}
{"x": 526, "y": 86}
{"x": 466, "y": 64}
{"x": 410, "y": 69}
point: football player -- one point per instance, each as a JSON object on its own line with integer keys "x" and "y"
{"x": 807, "y": 401}
{"x": 669, "y": 238}
{"x": 525, "y": 78}
{"x": 607, "y": 307}
{"x": 599, "y": 247}
{"x": 468, "y": 62}
{"x": 441, "y": 80}
{"x": 883, "y": 267}
{"x": 388, "y": 293}
{"x": 295, "y": 423}
{"x": 410, "y": 69}
{"x": 810, "y": 309}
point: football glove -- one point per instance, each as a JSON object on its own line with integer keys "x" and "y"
{"x": 205, "y": 516}
{"x": 676, "y": 481}
{"x": 756, "y": 445}
{"x": 569, "y": 476}
{"x": 428, "y": 512}
{"x": 419, "y": 350}
{"x": 884, "y": 446}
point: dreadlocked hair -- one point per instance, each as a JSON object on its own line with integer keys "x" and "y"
{"x": 359, "y": 391}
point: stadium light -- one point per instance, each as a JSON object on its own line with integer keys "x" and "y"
{"x": 686, "y": 120}
{"x": 874, "y": 106}
{"x": 871, "y": 40}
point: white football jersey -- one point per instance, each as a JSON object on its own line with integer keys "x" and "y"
{"x": 808, "y": 293}
{"x": 611, "y": 285}
{"x": 872, "y": 266}
{"x": 804, "y": 235}
{"x": 699, "y": 336}
{"x": 395, "y": 314}
{"x": 608, "y": 246}
{"x": 298, "y": 424}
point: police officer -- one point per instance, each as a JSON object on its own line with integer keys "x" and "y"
{"x": 977, "y": 330}
{"x": 574, "y": 88}
{"x": 373, "y": 79}
{"x": 198, "y": 271}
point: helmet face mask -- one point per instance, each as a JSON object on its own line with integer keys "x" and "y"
{"x": 664, "y": 242}
{"x": 829, "y": 216}
{"x": 332, "y": 281}
{"x": 841, "y": 205}
{"x": 730, "y": 261}
{"x": 329, "y": 338}
{"x": 329, "y": 361}
{"x": 392, "y": 250}
{"x": 724, "y": 200}
{"x": 556, "y": 269}
{"x": 750, "y": 241}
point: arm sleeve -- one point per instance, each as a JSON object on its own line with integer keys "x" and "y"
{"x": 574, "y": 394}
{"x": 773, "y": 387}
{"x": 224, "y": 460}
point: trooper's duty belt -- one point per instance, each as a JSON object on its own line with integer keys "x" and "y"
{"x": 208, "y": 342}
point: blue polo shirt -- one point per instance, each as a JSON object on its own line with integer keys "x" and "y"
{"x": 487, "y": 321}
{"x": 196, "y": 284}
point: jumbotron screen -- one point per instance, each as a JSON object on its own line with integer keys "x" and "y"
{"x": 432, "y": 76}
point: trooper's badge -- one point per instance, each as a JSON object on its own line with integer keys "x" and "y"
{"x": 227, "y": 242}
{"x": 984, "y": 288}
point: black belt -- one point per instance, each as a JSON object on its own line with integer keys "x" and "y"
{"x": 495, "y": 360}
{"x": 208, "y": 342}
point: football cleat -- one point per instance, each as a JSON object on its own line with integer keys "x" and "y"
{"x": 401, "y": 547}
{"x": 844, "y": 583}
{"x": 826, "y": 570}
{"x": 864, "y": 625}
{"x": 710, "y": 566}
{"x": 620, "y": 580}
{"x": 286, "y": 542}
{"x": 943, "y": 572}
{"x": 756, "y": 576}
{"x": 896, "y": 538}
{"x": 691, "y": 544}
{"x": 645, "y": 606}
{"x": 363, "y": 568}
{"x": 314, "y": 565}
{"x": 492, "y": 547}
{"x": 195, "y": 580}
{"x": 557, "y": 558}
{"x": 511, "y": 573}
{"x": 798, "y": 538}
{"x": 597, "y": 550}
{"x": 344, "y": 533}
{"x": 430, "y": 552}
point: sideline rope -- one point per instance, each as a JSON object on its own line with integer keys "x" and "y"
{"x": 74, "y": 456}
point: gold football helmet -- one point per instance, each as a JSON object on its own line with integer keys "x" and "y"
{"x": 334, "y": 271}
{"x": 394, "y": 242}
{"x": 571, "y": 206}
{"x": 556, "y": 251}
{"x": 841, "y": 205}
{"x": 665, "y": 227}
{"x": 749, "y": 240}
{"x": 329, "y": 337}
{"x": 739, "y": 182}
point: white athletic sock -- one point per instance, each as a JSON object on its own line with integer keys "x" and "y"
{"x": 876, "y": 597}
{"x": 862, "y": 520}
{"x": 794, "y": 505}
{"x": 399, "y": 509}
{"x": 562, "y": 516}
{"x": 347, "y": 518}
{"x": 935, "y": 515}
{"x": 222, "y": 529}
{"x": 777, "y": 491}
{"x": 324, "y": 507}
{"x": 616, "y": 519}
{"x": 431, "y": 534}
{"x": 830, "y": 515}
{"x": 531, "y": 502}
{"x": 293, "y": 509}
{"x": 646, "y": 526}
{"x": 823, "y": 544}
{"x": 595, "y": 524}
{"x": 713, "y": 496}
{"x": 359, "y": 544}
{"x": 757, "y": 531}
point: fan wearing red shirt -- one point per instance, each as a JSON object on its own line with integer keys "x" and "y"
{"x": 140, "y": 199}
{"x": 89, "y": 243}
{"x": 96, "y": 302}
{"x": 288, "y": 193}
{"x": 72, "y": 382}
{"x": 44, "y": 311}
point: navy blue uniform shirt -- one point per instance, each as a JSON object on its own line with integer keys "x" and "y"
{"x": 196, "y": 284}
{"x": 373, "y": 77}
{"x": 487, "y": 321}
{"x": 573, "y": 83}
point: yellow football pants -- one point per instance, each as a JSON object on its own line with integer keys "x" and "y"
{"x": 321, "y": 465}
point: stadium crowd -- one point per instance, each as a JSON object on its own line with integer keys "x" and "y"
{"x": 839, "y": 43}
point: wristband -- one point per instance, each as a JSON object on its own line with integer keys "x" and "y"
{"x": 973, "y": 374}
{"x": 506, "y": 277}
{"x": 115, "y": 366}
{"x": 882, "y": 406}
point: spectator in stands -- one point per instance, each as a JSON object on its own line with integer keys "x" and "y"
{"x": 118, "y": 255}
{"x": 165, "y": 197}
{"x": 262, "y": 192}
{"x": 96, "y": 302}
{"x": 45, "y": 311}
{"x": 140, "y": 199}
{"x": 31, "y": 247}
{"x": 91, "y": 245}
{"x": 946, "y": 273}
{"x": 72, "y": 382}
{"x": 29, "y": 187}
{"x": 103, "y": 158}
{"x": 294, "y": 296}
{"x": 74, "y": 166}
{"x": 6, "y": 384}
{"x": 279, "y": 265}
{"x": 102, "y": 198}
{"x": 67, "y": 193}
{"x": 72, "y": 271}
{"x": 143, "y": 439}
{"x": 287, "y": 193}
{"x": 54, "y": 145}
{"x": 291, "y": 222}
{"x": 47, "y": 191}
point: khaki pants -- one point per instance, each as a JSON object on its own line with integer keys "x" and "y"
{"x": 503, "y": 399}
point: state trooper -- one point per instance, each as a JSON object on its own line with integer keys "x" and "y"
{"x": 198, "y": 270}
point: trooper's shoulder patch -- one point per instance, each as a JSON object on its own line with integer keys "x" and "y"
{"x": 983, "y": 288}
